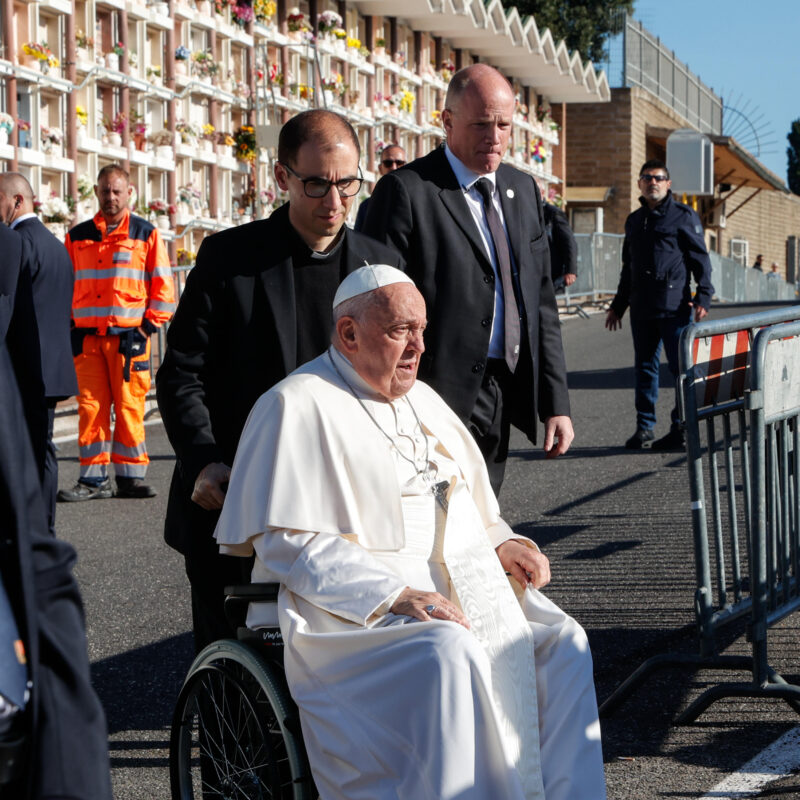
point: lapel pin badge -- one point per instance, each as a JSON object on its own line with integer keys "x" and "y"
{"x": 509, "y": 193}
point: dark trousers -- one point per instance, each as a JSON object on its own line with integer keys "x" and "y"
{"x": 50, "y": 474}
{"x": 648, "y": 336}
{"x": 490, "y": 420}
{"x": 209, "y": 573}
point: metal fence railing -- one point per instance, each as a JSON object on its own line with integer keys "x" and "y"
{"x": 638, "y": 58}
{"x": 744, "y": 480}
{"x": 600, "y": 262}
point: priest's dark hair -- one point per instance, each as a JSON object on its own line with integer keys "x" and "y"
{"x": 317, "y": 125}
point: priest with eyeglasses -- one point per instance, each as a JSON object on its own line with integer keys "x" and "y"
{"x": 424, "y": 659}
{"x": 256, "y": 305}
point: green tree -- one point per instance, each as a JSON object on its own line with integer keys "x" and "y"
{"x": 583, "y": 24}
{"x": 793, "y": 157}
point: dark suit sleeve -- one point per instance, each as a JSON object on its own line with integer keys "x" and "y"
{"x": 552, "y": 398}
{"x": 69, "y": 751}
{"x": 182, "y": 381}
{"x": 565, "y": 250}
{"x": 695, "y": 256}
{"x": 389, "y": 216}
{"x": 622, "y": 299}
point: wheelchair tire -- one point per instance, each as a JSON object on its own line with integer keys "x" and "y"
{"x": 235, "y": 707}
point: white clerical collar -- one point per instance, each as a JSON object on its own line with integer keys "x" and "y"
{"x": 21, "y": 218}
{"x": 464, "y": 175}
{"x": 348, "y": 371}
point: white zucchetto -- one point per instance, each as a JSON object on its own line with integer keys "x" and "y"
{"x": 367, "y": 279}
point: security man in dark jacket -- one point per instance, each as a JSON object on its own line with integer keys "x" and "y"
{"x": 663, "y": 248}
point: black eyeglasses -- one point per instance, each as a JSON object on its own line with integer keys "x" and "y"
{"x": 319, "y": 187}
{"x": 390, "y": 162}
{"x": 656, "y": 178}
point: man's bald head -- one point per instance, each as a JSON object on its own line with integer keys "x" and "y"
{"x": 480, "y": 79}
{"x": 16, "y": 196}
{"x": 477, "y": 117}
{"x": 324, "y": 129}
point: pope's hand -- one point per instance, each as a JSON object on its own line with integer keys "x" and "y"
{"x": 525, "y": 564}
{"x": 209, "y": 491}
{"x": 413, "y": 603}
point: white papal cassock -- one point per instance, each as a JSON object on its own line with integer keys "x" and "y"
{"x": 329, "y": 489}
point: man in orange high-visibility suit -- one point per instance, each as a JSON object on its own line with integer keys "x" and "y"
{"x": 123, "y": 293}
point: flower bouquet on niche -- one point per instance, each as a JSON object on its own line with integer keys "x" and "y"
{"x": 245, "y": 139}
{"x": 43, "y": 55}
{"x": 6, "y": 126}
{"x": 264, "y": 11}
{"x": 327, "y": 22}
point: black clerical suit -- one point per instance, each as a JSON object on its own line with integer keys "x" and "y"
{"x": 67, "y": 752}
{"x": 52, "y": 277}
{"x": 420, "y": 210}
{"x": 256, "y": 304}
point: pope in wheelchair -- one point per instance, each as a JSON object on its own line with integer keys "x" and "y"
{"x": 424, "y": 660}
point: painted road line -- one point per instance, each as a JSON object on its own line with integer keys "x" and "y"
{"x": 779, "y": 760}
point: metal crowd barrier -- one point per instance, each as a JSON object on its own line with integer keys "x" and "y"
{"x": 600, "y": 262}
{"x": 747, "y": 550}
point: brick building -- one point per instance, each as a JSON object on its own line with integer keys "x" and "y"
{"x": 751, "y": 210}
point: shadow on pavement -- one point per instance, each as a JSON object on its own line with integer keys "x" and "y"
{"x": 139, "y": 687}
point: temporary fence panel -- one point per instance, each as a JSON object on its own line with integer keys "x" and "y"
{"x": 722, "y": 449}
{"x": 600, "y": 262}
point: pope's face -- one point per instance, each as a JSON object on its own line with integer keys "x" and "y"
{"x": 388, "y": 341}
{"x": 479, "y": 124}
{"x": 318, "y": 220}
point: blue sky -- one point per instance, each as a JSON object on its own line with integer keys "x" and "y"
{"x": 747, "y": 52}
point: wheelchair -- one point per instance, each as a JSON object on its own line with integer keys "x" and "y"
{"x": 235, "y": 729}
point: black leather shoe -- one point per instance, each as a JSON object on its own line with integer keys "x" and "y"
{"x": 674, "y": 440}
{"x": 84, "y": 491}
{"x": 134, "y": 488}
{"x": 640, "y": 440}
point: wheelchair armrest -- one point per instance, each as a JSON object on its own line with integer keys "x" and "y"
{"x": 238, "y": 598}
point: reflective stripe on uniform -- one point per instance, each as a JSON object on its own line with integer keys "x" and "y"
{"x": 129, "y": 452}
{"x": 124, "y": 470}
{"x": 107, "y": 311}
{"x": 94, "y": 471}
{"x": 158, "y": 305}
{"x": 94, "y": 449}
{"x": 111, "y": 272}
{"x": 161, "y": 272}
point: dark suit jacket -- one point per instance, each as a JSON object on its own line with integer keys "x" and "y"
{"x": 233, "y": 336}
{"x": 563, "y": 247}
{"x": 420, "y": 210}
{"x": 19, "y": 332}
{"x": 52, "y": 275}
{"x": 68, "y": 750}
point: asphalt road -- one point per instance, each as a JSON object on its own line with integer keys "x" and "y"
{"x": 615, "y": 525}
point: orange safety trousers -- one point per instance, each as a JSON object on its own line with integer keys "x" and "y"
{"x": 101, "y": 383}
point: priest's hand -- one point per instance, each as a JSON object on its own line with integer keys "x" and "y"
{"x": 209, "y": 488}
{"x": 526, "y": 565}
{"x": 558, "y": 435}
{"x": 416, "y": 603}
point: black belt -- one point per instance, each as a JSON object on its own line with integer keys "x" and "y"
{"x": 497, "y": 367}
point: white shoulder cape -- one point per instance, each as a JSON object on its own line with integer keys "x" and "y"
{"x": 310, "y": 459}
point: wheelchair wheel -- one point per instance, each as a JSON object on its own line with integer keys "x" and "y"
{"x": 235, "y": 731}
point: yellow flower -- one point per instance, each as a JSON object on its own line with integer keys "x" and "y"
{"x": 83, "y": 115}
{"x": 354, "y": 43}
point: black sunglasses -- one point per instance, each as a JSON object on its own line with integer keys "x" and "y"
{"x": 656, "y": 178}
{"x": 319, "y": 187}
{"x": 397, "y": 162}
